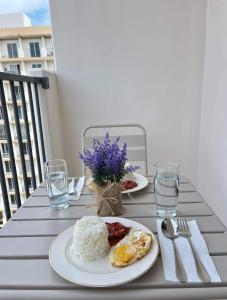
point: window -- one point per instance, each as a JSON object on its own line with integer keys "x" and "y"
{"x": 34, "y": 49}
{"x": 29, "y": 181}
{"x": 5, "y": 149}
{"x": 13, "y": 199}
{"x": 14, "y": 69}
{"x": 17, "y": 92}
{"x": 12, "y": 50}
{"x": 10, "y": 183}
{"x": 8, "y": 167}
{"x": 2, "y": 132}
{"x": 36, "y": 66}
{"x": 25, "y": 148}
{"x": 1, "y": 113}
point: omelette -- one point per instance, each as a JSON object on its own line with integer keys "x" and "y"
{"x": 130, "y": 249}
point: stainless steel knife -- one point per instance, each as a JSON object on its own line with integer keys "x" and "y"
{"x": 78, "y": 188}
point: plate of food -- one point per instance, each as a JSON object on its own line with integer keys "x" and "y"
{"x": 133, "y": 182}
{"x": 103, "y": 252}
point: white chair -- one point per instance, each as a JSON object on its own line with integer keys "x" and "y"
{"x": 133, "y": 134}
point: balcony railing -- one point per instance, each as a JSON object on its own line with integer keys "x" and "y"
{"x": 5, "y": 54}
{"x": 28, "y": 86}
{"x": 17, "y": 72}
{"x": 50, "y": 51}
{"x": 5, "y": 155}
{"x": 26, "y": 53}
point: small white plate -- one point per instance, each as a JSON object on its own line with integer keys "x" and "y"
{"x": 99, "y": 273}
{"x": 141, "y": 181}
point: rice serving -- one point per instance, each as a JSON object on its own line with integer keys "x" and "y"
{"x": 90, "y": 239}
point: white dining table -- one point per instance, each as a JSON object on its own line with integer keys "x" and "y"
{"x": 26, "y": 238}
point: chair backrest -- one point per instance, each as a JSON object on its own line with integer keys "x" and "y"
{"x": 133, "y": 134}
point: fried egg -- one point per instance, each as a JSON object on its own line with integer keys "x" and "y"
{"x": 130, "y": 249}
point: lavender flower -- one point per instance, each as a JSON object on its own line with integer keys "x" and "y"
{"x": 107, "y": 161}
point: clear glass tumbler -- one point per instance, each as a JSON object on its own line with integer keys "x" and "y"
{"x": 57, "y": 183}
{"x": 166, "y": 188}
{"x": 45, "y": 172}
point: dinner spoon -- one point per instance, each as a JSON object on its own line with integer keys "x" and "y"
{"x": 171, "y": 233}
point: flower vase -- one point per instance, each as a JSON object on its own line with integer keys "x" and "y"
{"x": 108, "y": 198}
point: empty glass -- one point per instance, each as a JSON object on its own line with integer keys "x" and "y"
{"x": 57, "y": 183}
{"x": 45, "y": 172}
{"x": 166, "y": 188}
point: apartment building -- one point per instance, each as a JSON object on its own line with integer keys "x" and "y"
{"x": 22, "y": 49}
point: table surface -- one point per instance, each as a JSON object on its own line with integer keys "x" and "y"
{"x": 26, "y": 238}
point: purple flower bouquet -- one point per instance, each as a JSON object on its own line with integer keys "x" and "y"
{"x": 107, "y": 165}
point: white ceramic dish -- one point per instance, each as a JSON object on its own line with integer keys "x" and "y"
{"x": 99, "y": 273}
{"x": 142, "y": 182}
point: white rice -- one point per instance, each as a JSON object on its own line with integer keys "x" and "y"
{"x": 90, "y": 239}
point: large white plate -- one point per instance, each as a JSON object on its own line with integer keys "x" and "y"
{"x": 99, "y": 273}
{"x": 142, "y": 182}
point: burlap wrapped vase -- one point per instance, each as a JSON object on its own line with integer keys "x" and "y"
{"x": 108, "y": 199}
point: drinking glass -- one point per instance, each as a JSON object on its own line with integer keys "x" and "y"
{"x": 57, "y": 183}
{"x": 166, "y": 188}
{"x": 45, "y": 171}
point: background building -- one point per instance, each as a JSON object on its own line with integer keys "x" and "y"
{"x": 22, "y": 49}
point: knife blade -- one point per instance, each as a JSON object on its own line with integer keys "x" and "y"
{"x": 78, "y": 188}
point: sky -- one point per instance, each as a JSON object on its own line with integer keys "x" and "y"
{"x": 37, "y": 10}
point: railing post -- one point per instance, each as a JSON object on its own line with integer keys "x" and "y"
{"x": 19, "y": 138}
{"x": 36, "y": 120}
{"x": 39, "y": 121}
{"x": 24, "y": 108}
{"x": 10, "y": 144}
{"x": 34, "y": 130}
{"x": 4, "y": 190}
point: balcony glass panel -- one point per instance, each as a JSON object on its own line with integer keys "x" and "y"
{"x": 50, "y": 52}
{"x": 2, "y": 132}
{"x": 17, "y": 92}
{"x": 25, "y": 148}
{"x": 12, "y": 199}
{"x": 8, "y": 166}
{"x": 5, "y": 150}
{"x": 10, "y": 183}
{"x": 1, "y": 113}
{"x": 14, "y": 69}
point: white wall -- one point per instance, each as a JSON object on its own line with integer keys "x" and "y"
{"x": 132, "y": 61}
{"x": 212, "y": 170}
{"x": 51, "y": 120}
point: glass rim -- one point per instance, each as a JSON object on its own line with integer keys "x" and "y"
{"x": 57, "y": 162}
{"x": 163, "y": 166}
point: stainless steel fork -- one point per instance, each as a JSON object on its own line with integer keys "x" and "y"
{"x": 185, "y": 232}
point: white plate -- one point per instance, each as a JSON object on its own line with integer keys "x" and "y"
{"x": 142, "y": 182}
{"x": 99, "y": 273}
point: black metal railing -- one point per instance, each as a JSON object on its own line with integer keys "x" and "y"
{"x": 29, "y": 84}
